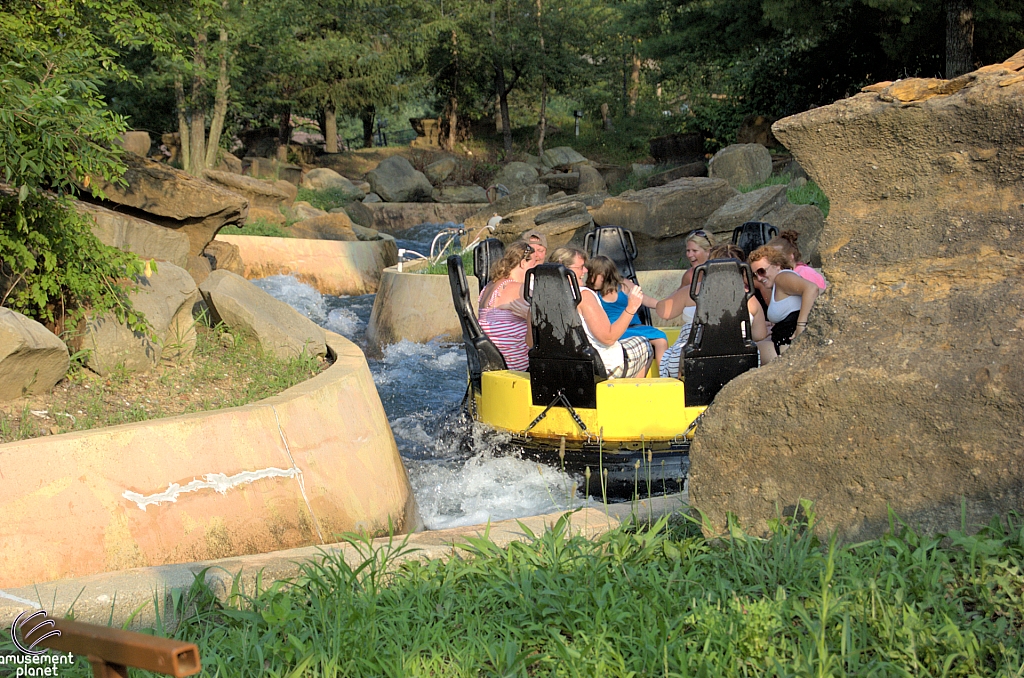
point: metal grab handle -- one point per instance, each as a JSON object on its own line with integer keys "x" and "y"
{"x": 633, "y": 251}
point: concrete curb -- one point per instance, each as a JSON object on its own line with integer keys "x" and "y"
{"x": 117, "y": 597}
{"x": 415, "y": 306}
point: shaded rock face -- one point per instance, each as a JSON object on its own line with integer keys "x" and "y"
{"x": 745, "y": 207}
{"x": 224, "y": 256}
{"x": 561, "y": 156}
{"x": 439, "y": 170}
{"x": 262, "y": 195}
{"x": 907, "y": 390}
{"x": 333, "y": 226}
{"x": 138, "y": 236}
{"x": 174, "y": 199}
{"x": 249, "y": 311}
{"x": 166, "y": 299}
{"x": 463, "y": 194}
{"x": 561, "y": 220}
{"x": 395, "y": 180}
{"x": 661, "y": 217}
{"x": 516, "y": 175}
{"x": 32, "y": 359}
{"x": 136, "y": 142}
{"x": 741, "y": 164}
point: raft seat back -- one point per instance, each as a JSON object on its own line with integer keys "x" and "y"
{"x": 617, "y": 243}
{"x": 719, "y": 347}
{"x": 485, "y": 254}
{"x": 481, "y": 354}
{"x": 562, "y": 359}
{"x": 752, "y": 234}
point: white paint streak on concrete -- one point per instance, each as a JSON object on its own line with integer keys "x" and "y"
{"x": 302, "y": 485}
{"x": 211, "y": 481}
{"x": 22, "y": 601}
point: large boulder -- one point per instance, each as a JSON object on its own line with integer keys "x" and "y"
{"x": 693, "y": 169}
{"x": 266, "y": 198}
{"x": 516, "y": 175}
{"x": 559, "y": 220}
{"x": 807, "y": 220}
{"x": 393, "y": 217}
{"x": 135, "y": 235}
{"x": 395, "y": 180}
{"x": 250, "y": 312}
{"x": 439, "y": 170}
{"x": 591, "y": 181}
{"x": 32, "y": 359}
{"x": 166, "y": 299}
{"x": 907, "y": 390}
{"x": 333, "y": 226}
{"x": 661, "y": 217}
{"x": 171, "y": 198}
{"x": 745, "y": 207}
{"x": 324, "y": 178}
{"x": 464, "y": 194}
{"x": 561, "y": 156}
{"x": 741, "y": 164}
{"x": 561, "y": 181}
{"x": 135, "y": 142}
{"x": 224, "y": 256}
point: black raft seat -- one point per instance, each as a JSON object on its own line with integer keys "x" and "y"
{"x": 485, "y": 254}
{"x": 617, "y": 243}
{"x": 562, "y": 360}
{"x": 719, "y": 347}
{"x": 481, "y": 354}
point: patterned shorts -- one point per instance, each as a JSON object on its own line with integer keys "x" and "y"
{"x": 637, "y": 353}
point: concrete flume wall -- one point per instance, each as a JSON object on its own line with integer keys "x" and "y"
{"x": 331, "y": 266}
{"x": 293, "y": 470}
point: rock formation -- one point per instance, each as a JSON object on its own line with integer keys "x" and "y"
{"x": 171, "y": 198}
{"x": 907, "y": 390}
{"x": 32, "y": 359}
{"x": 395, "y": 180}
{"x": 741, "y": 164}
{"x": 250, "y": 312}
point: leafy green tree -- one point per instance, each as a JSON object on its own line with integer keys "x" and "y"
{"x": 56, "y": 133}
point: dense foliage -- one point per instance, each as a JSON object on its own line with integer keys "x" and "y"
{"x": 657, "y": 602}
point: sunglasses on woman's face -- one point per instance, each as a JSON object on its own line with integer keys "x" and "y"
{"x": 761, "y": 272}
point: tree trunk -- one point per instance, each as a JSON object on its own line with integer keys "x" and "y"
{"x": 367, "y": 117}
{"x": 542, "y": 123}
{"x": 959, "y": 37}
{"x": 506, "y": 125}
{"x": 634, "y": 81}
{"x": 197, "y": 133}
{"x": 183, "y": 135}
{"x": 220, "y": 102}
{"x": 453, "y": 99}
{"x": 331, "y": 129}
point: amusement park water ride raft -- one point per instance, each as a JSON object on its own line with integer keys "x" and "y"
{"x": 565, "y": 412}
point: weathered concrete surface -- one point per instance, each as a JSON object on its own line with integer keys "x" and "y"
{"x": 331, "y": 266}
{"x": 415, "y": 306}
{"x": 393, "y": 217}
{"x": 320, "y": 456}
{"x": 908, "y": 388}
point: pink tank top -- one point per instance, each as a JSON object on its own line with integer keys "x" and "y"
{"x": 506, "y": 330}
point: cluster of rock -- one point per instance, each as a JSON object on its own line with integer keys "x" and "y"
{"x": 660, "y": 216}
{"x": 907, "y": 391}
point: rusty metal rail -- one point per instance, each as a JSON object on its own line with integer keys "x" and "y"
{"x": 112, "y": 651}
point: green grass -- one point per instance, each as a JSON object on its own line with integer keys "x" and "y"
{"x": 808, "y": 194}
{"x": 441, "y": 267}
{"x": 261, "y": 227}
{"x": 326, "y": 199}
{"x": 660, "y": 601}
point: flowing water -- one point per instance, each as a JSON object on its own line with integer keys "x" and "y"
{"x": 461, "y": 473}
